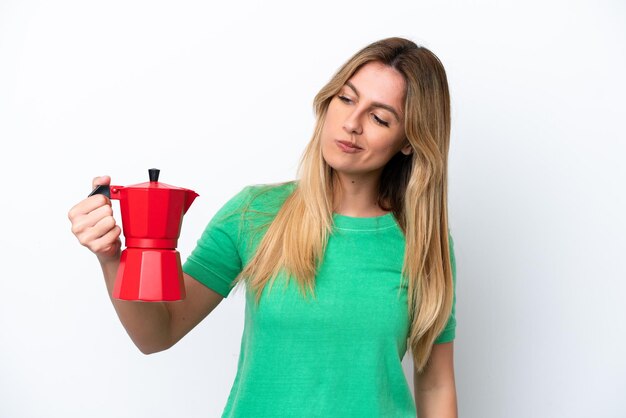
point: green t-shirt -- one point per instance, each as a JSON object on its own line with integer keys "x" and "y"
{"x": 339, "y": 355}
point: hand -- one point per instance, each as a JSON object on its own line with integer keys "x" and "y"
{"x": 94, "y": 226}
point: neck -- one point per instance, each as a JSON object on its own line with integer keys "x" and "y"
{"x": 356, "y": 196}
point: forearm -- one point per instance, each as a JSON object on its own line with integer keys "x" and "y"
{"x": 147, "y": 323}
{"x": 437, "y": 402}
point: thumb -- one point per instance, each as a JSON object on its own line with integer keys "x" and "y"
{"x": 100, "y": 181}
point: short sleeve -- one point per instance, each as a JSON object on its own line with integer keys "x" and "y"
{"x": 216, "y": 260}
{"x": 449, "y": 332}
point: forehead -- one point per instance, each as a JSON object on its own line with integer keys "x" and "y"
{"x": 380, "y": 83}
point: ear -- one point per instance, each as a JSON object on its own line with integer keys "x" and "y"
{"x": 406, "y": 149}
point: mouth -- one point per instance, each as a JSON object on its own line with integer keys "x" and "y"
{"x": 348, "y": 145}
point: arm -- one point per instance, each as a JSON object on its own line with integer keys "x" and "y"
{"x": 156, "y": 326}
{"x": 435, "y": 390}
{"x": 153, "y": 326}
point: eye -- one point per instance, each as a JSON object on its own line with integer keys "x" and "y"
{"x": 344, "y": 99}
{"x": 380, "y": 121}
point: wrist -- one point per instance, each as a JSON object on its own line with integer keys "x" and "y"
{"x": 107, "y": 260}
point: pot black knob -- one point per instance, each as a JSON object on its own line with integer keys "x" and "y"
{"x": 154, "y": 174}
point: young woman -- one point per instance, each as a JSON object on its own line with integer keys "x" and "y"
{"x": 344, "y": 268}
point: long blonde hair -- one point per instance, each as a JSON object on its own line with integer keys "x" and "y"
{"x": 414, "y": 186}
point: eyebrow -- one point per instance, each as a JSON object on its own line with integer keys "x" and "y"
{"x": 376, "y": 104}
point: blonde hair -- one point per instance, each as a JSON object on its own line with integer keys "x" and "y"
{"x": 414, "y": 185}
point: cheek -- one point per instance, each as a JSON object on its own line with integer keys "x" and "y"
{"x": 382, "y": 151}
{"x": 326, "y": 136}
{"x": 331, "y": 119}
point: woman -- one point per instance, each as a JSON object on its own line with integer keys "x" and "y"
{"x": 345, "y": 268}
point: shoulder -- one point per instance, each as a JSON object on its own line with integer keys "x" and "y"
{"x": 255, "y": 199}
{"x": 267, "y": 197}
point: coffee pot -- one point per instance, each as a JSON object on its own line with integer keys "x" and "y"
{"x": 152, "y": 216}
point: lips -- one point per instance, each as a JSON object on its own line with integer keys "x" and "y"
{"x": 347, "y": 146}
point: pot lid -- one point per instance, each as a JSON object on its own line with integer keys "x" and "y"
{"x": 154, "y": 182}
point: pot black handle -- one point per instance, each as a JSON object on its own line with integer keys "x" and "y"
{"x": 101, "y": 189}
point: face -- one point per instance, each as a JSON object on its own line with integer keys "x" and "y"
{"x": 367, "y": 113}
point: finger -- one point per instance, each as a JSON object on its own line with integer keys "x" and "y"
{"x": 100, "y": 181}
{"x": 107, "y": 242}
{"x": 100, "y": 229}
{"x": 87, "y": 205}
{"x": 89, "y": 220}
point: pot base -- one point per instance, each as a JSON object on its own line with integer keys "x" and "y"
{"x": 150, "y": 275}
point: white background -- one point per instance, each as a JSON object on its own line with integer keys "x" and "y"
{"x": 219, "y": 96}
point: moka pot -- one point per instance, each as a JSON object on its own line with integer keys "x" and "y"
{"x": 152, "y": 215}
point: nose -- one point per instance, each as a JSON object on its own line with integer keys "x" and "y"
{"x": 352, "y": 125}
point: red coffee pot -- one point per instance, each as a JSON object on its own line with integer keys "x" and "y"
{"x": 152, "y": 215}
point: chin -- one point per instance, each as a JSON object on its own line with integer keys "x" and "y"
{"x": 335, "y": 162}
{"x": 345, "y": 170}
